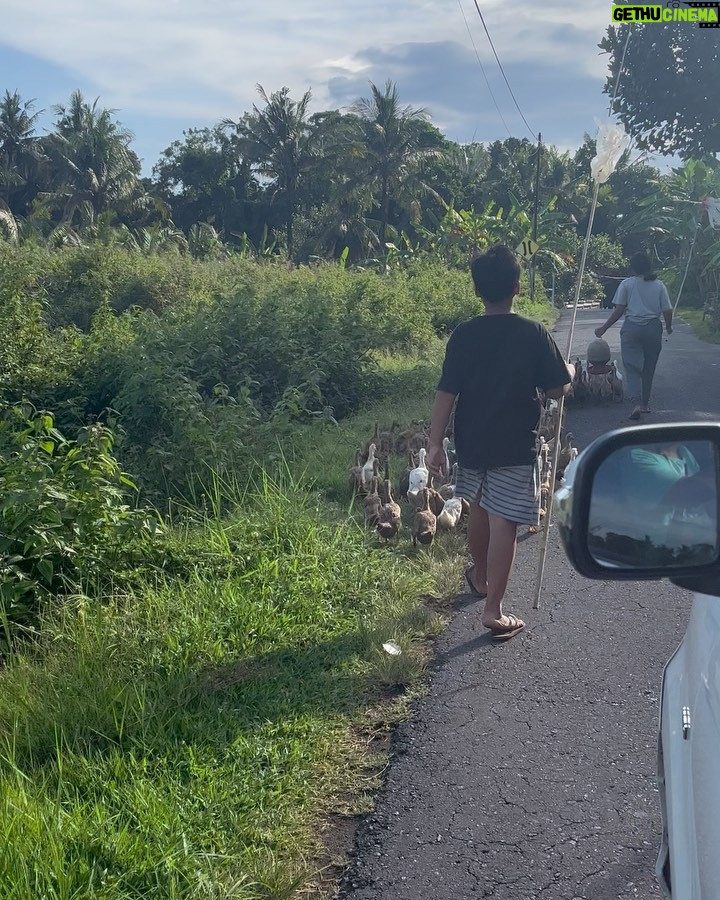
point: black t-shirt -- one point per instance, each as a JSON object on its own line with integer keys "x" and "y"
{"x": 496, "y": 364}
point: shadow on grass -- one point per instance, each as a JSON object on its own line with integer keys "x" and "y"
{"x": 155, "y": 713}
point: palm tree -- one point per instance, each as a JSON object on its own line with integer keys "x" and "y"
{"x": 278, "y": 141}
{"x": 394, "y": 147}
{"x": 20, "y": 157}
{"x": 97, "y": 170}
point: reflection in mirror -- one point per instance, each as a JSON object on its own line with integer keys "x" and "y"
{"x": 656, "y": 505}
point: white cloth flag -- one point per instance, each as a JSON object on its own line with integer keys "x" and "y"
{"x": 712, "y": 205}
{"x": 611, "y": 142}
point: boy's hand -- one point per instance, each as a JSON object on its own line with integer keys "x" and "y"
{"x": 436, "y": 461}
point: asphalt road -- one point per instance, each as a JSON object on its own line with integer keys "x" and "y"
{"x": 528, "y": 770}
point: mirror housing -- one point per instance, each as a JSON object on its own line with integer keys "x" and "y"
{"x": 610, "y": 528}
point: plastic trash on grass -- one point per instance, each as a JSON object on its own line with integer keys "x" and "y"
{"x": 392, "y": 648}
{"x": 611, "y": 142}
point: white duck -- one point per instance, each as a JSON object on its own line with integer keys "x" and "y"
{"x": 419, "y": 477}
{"x": 450, "y": 514}
{"x": 616, "y": 382}
{"x": 368, "y": 470}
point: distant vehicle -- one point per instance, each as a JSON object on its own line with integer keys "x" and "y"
{"x": 644, "y": 503}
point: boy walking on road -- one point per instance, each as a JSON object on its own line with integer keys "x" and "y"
{"x": 494, "y": 366}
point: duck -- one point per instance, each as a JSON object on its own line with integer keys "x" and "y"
{"x": 405, "y": 477}
{"x": 567, "y": 453}
{"x": 374, "y": 439}
{"x": 387, "y": 440}
{"x": 373, "y": 504}
{"x": 580, "y": 382}
{"x": 355, "y": 479}
{"x": 424, "y": 523}
{"x": 437, "y": 501}
{"x": 447, "y": 491}
{"x": 450, "y": 514}
{"x": 369, "y": 468}
{"x": 549, "y": 419}
{"x": 404, "y": 440}
{"x": 419, "y": 438}
{"x": 388, "y": 524}
{"x": 418, "y": 478}
{"x": 545, "y": 497}
{"x": 606, "y": 387}
{"x": 447, "y": 488}
{"x": 616, "y": 382}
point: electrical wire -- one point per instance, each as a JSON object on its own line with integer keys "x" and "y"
{"x": 482, "y": 67}
{"x": 502, "y": 71}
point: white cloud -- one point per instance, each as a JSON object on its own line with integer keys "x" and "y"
{"x": 170, "y": 61}
{"x": 142, "y": 54}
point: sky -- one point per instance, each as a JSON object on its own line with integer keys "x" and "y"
{"x": 169, "y": 65}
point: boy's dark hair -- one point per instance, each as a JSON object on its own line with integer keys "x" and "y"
{"x": 641, "y": 265}
{"x": 496, "y": 274}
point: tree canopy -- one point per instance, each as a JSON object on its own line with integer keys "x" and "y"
{"x": 666, "y": 97}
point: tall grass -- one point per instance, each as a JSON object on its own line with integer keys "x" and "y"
{"x": 188, "y": 737}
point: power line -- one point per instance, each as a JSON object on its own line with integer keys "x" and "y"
{"x": 497, "y": 58}
{"x": 482, "y": 67}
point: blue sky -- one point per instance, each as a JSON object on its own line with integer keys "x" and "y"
{"x": 170, "y": 65}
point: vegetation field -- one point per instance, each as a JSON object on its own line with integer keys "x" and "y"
{"x": 202, "y": 648}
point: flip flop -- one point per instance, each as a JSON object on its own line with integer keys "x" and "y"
{"x": 504, "y": 633}
{"x": 473, "y": 590}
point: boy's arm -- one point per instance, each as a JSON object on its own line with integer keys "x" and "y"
{"x": 442, "y": 407}
{"x": 557, "y": 392}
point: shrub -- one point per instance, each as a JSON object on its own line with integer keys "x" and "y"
{"x": 64, "y": 519}
{"x": 35, "y": 359}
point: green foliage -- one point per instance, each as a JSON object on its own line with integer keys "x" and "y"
{"x": 604, "y": 257}
{"x": 80, "y": 281}
{"x": 667, "y": 87}
{"x": 212, "y": 362}
{"x": 35, "y": 359}
{"x": 64, "y": 517}
{"x": 683, "y": 236}
{"x": 188, "y": 738}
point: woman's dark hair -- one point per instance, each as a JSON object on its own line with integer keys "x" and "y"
{"x": 496, "y": 274}
{"x": 641, "y": 265}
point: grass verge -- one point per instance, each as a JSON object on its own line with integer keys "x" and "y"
{"x": 200, "y": 733}
{"x": 191, "y": 737}
{"x": 702, "y": 327}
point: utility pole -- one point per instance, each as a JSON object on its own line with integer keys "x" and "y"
{"x": 535, "y": 216}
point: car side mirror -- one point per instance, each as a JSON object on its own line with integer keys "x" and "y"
{"x": 644, "y": 503}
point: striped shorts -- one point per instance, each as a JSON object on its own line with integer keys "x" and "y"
{"x": 511, "y": 492}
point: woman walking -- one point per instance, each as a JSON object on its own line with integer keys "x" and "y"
{"x": 644, "y": 301}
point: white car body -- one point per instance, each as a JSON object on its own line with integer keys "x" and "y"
{"x": 688, "y": 865}
{"x": 689, "y": 759}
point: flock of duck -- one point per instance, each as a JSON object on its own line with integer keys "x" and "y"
{"x": 596, "y": 382}
{"x": 431, "y": 501}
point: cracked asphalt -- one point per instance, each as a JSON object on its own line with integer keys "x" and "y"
{"x": 527, "y": 772}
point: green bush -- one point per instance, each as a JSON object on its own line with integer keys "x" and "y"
{"x": 64, "y": 516}
{"x": 80, "y": 281}
{"x": 201, "y": 365}
{"x": 35, "y": 359}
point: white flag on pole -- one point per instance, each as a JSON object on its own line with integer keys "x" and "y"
{"x": 611, "y": 142}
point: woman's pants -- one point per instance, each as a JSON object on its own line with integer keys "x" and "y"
{"x": 640, "y": 348}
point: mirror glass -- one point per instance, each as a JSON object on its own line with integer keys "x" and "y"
{"x": 656, "y": 505}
